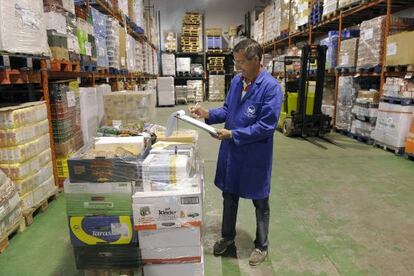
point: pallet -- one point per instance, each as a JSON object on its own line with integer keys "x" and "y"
{"x": 400, "y": 68}
{"x": 216, "y": 72}
{"x": 103, "y": 70}
{"x": 361, "y": 138}
{"x": 41, "y": 207}
{"x": 183, "y": 74}
{"x": 349, "y": 6}
{"x": 57, "y": 65}
{"x": 18, "y": 227}
{"x": 396, "y": 100}
{"x": 14, "y": 76}
{"x": 346, "y": 70}
{"x": 331, "y": 15}
{"x": 20, "y": 61}
{"x": 397, "y": 151}
{"x": 214, "y": 51}
{"x": 283, "y": 34}
{"x": 303, "y": 27}
{"x": 373, "y": 69}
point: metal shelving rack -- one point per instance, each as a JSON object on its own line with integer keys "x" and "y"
{"x": 343, "y": 19}
{"x": 41, "y": 77}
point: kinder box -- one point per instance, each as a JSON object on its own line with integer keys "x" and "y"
{"x": 89, "y": 199}
{"x": 86, "y": 166}
{"x": 167, "y": 209}
{"x": 99, "y": 230}
{"x": 107, "y": 257}
{"x": 175, "y": 245}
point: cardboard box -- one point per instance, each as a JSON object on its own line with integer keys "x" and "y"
{"x": 399, "y": 50}
{"x": 180, "y": 136}
{"x": 83, "y": 168}
{"x": 348, "y": 53}
{"x": 99, "y": 230}
{"x": 167, "y": 209}
{"x": 175, "y": 245}
{"x": 369, "y": 95}
{"x": 108, "y": 199}
{"x": 184, "y": 269}
{"x": 107, "y": 257}
{"x": 134, "y": 144}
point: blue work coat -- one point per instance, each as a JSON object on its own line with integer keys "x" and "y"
{"x": 244, "y": 165}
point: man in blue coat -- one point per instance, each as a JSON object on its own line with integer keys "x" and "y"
{"x": 250, "y": 113}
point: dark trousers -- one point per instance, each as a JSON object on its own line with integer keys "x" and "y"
{"x": 228, "y": 227}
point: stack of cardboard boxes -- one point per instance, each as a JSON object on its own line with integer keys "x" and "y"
{"x": 165, "y": 91}
{"x": 25, "y": 154}
{"x": 216, "y": 87}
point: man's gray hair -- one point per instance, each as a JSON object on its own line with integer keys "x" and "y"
{"x": 250, "y": 47}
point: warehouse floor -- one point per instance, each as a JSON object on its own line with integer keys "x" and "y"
{"x": 337, "y": 211}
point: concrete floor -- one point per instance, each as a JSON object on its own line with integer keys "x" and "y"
{"x": 333, "y": 212}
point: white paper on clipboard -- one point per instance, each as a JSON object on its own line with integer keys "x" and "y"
{"x": 181, "y": 115}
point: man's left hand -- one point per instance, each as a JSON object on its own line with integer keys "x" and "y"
{"x": 223, "y": 134}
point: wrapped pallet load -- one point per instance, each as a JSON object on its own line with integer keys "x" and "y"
{"x": 99, "y": 26}
{"x": 346, "y": 97}
{"x": 23, "y": 28}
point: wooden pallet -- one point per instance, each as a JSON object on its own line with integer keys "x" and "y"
{"x": 397, "y": 151}
{"x": 331, "y": 15}
{"x": 15, "y": 76}
{"x": 214, "y": 51}
{"x": 41, "y": 207}
{"x": 64, "y": 65}
{"x": 17, "y": 227}
{"x": 350, "y": 5}
{"x": 103, "y": 70}
{"x": 19, "y": 61}
{"x": 400, "y": 68}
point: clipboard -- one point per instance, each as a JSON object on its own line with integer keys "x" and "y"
{"x": 182, "y": 116}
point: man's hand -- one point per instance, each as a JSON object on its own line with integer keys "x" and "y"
{"x": 223, "y": 134}
{"x": 198, "y": 112}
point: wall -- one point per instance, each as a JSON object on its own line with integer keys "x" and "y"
{"x": 218, "y": 13}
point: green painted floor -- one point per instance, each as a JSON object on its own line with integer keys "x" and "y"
{"x": 333, "y": 212}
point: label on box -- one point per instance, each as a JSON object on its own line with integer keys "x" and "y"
{"x": 345, "y": 60}
{"x": 122, "y": 61}
{"x": 88, "y": 48}
{"x": 392, "y": 49}
{"x": 368, "y": 34}
{"x": 71, "y": 98}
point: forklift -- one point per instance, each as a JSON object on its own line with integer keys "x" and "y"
{"x": 301, "y": 114}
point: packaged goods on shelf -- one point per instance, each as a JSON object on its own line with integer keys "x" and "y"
{"x": 370, "y": 96}
{"x": 346, "y": 3}
{"x": 72, "y": 37}
{"x": 139, "y": 56}
{"x": 85, "y": 47}
{"x": 107, "y": 256}
{"x": 346, "y": 97}
{"x": 131, "y": 53}
{"x": 112, "y": 42}
{"x": 372, "y": 38}
{"x": 99, "y": 26}
{"x": 17, "y": 136}
{"x": 23, "y": 27}
{"x": 328, "y": 110}
{"x": 7, "y": 206}
{"x": 123, "y": 6}
{"x": 300, "y": 13}
{"x": 181, "y": 93}
{"x": 168, "y": 209}
{"x": 399, "y": 49}
{"x": 165, "y": 90}
{"x": 107, "y": 199}
{"x": 399, "y": 87}
{"x": 10, "y": 219}
{"x": 348, "y": 53}
{"x": 89, "y": 112}
{"x": 165, "y": 172}
{"x": 15, "y": 116}
{"x": 196, "y": 69}
{"x": 183, "y": 64}
{"x": 197, "y": 86}
{"x": 31, "y": 182}
{"x": 216, "y": 87}
{"x": 285, "y": 14}
{"x": 101, "y": 90}
{"x": 101, "y": 230}
{"x": 330, "y": 6}
{"x": 332, "y": 43}
{"x": 40, "y": 193}
{"x": 56, "y": 21}
{"x": 136, "y": 12}
{"x": 361, "y": 128}
{"x": 174, "y": 245}
{"x": 182, "y": 269}
{"x": 122, "y": 55}
{"x": 67, "y": 5}
{"x": 168, "y": 64}
{"x": 19, "y": 171}
{"x": 269, "y": 23}
{"x": 258, "y": 28}
{"x": 393, "y": 124}
{"x": 170, "y": 42}
{"x": 129, "y": 107}
{"x": 20, "y": 153}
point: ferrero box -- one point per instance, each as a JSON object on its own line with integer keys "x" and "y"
{"x": 89, "y": 199}
{"x": 101, "y": 230}
{"x": 91, "y": 165}
{"x": 167, "y": 209}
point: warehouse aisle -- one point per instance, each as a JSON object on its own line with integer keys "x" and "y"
{"x": 333, "y": 212}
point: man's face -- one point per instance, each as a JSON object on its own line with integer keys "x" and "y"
{"x": 248, "y": 68}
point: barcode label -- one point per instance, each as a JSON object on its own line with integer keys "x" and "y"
{"x": 190, "y": 200}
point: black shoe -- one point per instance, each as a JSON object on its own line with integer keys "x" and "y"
{"x": 221, "y": 246}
